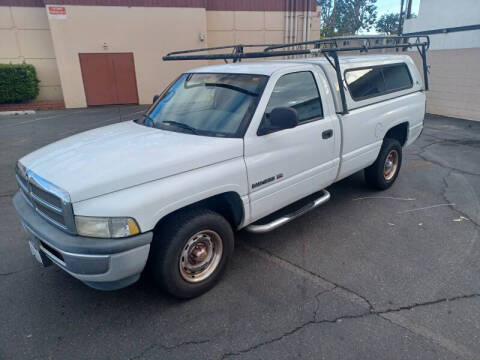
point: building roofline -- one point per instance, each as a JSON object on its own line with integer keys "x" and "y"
{"x": 209, "y": 5}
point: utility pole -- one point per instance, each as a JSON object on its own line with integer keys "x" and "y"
{"x": 409, "y": 9}
{"x": 400, "y": 20}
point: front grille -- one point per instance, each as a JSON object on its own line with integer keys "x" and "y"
{"x": 50, "y": 202}
{"x": 46, "y": 196}
{"x": 50, "y": 214}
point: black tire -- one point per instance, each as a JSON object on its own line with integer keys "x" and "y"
{"x": 375, "y": 173}
{"x": 170, "y": 242}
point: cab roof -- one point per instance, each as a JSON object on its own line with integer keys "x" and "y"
{"x": 271, "y": 66}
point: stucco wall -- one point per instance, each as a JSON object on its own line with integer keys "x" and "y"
{"x": 151, "y": 32}
{"x": 454, "y": 80}
{"x": 25, "y": 36}
{"x": 53, "y": 44}
{"x": 453, "y": 57}
{"x": 440, "y": 14}
{"x": 255, "y": 27}
{"x": 148, "y": 32}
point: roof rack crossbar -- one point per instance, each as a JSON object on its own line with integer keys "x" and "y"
{"x": 265, "y": 54}
{"x": 328, "y": 47}
{"x": 346, "y": 39}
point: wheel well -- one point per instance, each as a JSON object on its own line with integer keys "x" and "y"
{"x": 228, "y": 204}
{"x": 398, "y": 132}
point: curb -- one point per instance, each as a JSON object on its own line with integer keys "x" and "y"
{"x": 17, "y": 112}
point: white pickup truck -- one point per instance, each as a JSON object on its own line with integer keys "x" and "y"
{"x": 223, "y": 148}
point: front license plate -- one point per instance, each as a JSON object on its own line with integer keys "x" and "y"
{"x": 39, "y": 254}
{"x": 35, "y": 252}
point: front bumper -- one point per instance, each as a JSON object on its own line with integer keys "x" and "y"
{"x": 105, "y": 264}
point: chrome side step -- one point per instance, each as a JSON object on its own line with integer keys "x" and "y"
{"x": 263, "y": 228}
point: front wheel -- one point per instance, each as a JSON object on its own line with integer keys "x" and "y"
{"x": 384, "y": 171}
{"x": 190, "y": 251}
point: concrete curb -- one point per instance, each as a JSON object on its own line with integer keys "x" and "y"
{"x": 17, "y": 112}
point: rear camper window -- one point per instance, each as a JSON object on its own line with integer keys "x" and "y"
{"x": 373, "y": 81}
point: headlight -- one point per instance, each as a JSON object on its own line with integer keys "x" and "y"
{"x": 105, "y": 227}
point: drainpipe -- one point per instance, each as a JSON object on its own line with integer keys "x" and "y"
{"x": 295, "y": 30}
{"x": 308, "y": 20}
{"x": 285, "y": 38}
{"x": 290, "y": 21}
{"x": 304, "y": 35}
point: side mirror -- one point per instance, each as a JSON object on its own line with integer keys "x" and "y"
{"x": 155, "y": 98}
{"x": 281, "y": 118}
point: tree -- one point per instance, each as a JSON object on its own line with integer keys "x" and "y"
{"x": 347, "y": 17}
{"x": 388, "y": 24}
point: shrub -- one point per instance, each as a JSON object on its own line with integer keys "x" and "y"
{"x": 18, "y": 82}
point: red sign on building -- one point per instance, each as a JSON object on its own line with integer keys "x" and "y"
{"x": 57, "y": 12}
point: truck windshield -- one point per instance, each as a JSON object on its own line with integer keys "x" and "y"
{"x": 207, "y": 104}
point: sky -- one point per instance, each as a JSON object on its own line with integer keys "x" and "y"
{"x": 387, "y": 6}
{"x": 391, "y": 6}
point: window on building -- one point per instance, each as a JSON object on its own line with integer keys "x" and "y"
{"x": 298, "y": 91}
{"x": 376, "y": 81}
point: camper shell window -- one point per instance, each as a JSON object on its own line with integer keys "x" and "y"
{"x": 367, "y": 82}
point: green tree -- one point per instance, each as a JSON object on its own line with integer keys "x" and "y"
{"x": 347, "y": 17}
{"x": 388, "y": 24}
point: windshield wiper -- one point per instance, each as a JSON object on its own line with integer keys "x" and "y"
{"x": 233, "y": 87}
{"x": 226, "y": 86}
{"x": 181, "y": 125}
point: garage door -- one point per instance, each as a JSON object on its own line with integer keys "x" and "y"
{"x": 109, "y": 78}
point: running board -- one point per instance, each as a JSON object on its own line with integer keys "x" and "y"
{"x": 263, "y": 228}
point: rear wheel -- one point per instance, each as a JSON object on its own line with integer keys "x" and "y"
{"x": 190, "y": 251}
{"x": 384, "y": 171}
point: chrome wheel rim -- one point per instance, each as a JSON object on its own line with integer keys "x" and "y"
{"x": 391, "y": 165}
{"x": 200, "y": 256}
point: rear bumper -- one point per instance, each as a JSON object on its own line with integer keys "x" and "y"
{"x": 105, "y": 264}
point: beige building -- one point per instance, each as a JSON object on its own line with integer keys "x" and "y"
{"x": 454, "y": 55}
{"x": 25, "y": 36}
{"x": 94, "y": 52}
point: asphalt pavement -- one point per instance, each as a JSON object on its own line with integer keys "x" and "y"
{"x": 369, "y": 275}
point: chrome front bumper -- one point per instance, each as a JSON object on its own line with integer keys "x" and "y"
{"x": 105, "y": 264}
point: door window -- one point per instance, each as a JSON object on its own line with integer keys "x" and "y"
{"x": 298, "y": 91}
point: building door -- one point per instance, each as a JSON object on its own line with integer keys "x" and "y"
{"x": 109, "y": 78}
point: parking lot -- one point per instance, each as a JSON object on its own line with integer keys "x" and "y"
{"x": 369, "y": 275}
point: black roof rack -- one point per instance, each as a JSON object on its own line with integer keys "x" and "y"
{"x": 328, "y": 47}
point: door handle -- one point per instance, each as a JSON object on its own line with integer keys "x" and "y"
{"x": 327, "y": 134}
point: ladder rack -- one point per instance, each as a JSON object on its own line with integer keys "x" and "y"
{"x": 327, "y": 47}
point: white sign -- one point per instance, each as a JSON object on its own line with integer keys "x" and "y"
{"x": 57, "y": 12}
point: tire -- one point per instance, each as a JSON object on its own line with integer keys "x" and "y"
{"x": 381, "y": 175}
{"x": 186, "y": 243}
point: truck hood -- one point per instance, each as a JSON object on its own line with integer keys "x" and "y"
{"x": 122, "y": 155}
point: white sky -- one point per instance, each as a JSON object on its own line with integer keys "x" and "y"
{"x": 388, "y": 6}
{"x": 391, "y": 6}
